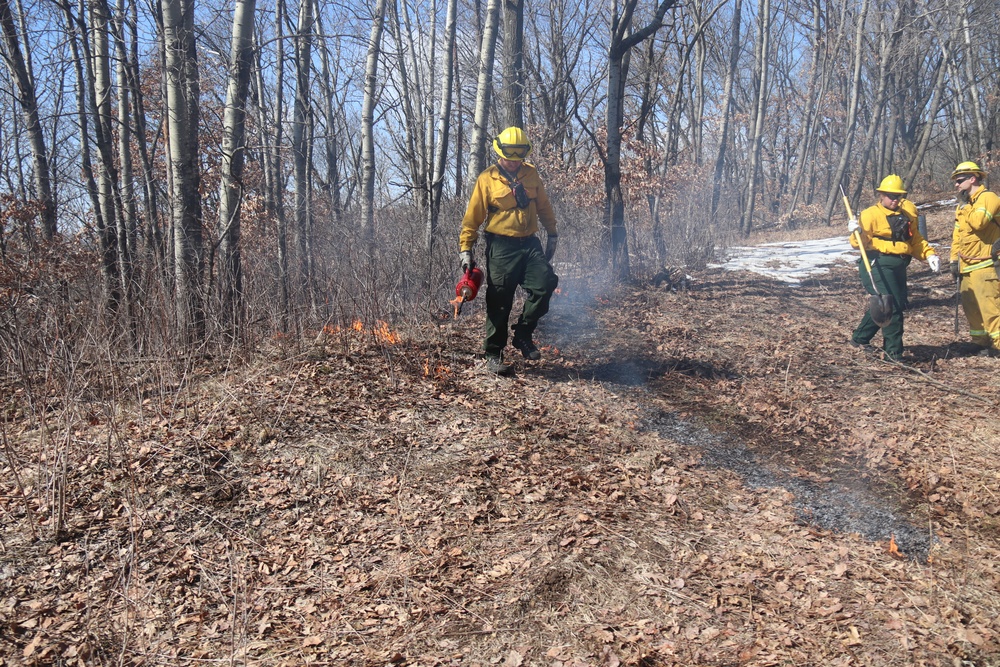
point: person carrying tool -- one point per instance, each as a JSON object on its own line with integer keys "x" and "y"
{"x": 510, "y": 199}
{"x": 891, "y": 240}
{"x": 975, "y": 245}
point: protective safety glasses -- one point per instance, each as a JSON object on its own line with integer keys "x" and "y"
{"x": 962, "y": 179}
{"x": 514, "y": 151}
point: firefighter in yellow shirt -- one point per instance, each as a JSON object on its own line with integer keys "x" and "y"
{"x": 975, "y": 244}
{"x": 891, "y": 237}
{"x": 509, "y": 199}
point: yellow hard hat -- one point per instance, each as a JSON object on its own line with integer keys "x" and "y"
{"x": 891, "y": 184}
{"x": 512, "y": 144}
{"x": 968, "y": 168}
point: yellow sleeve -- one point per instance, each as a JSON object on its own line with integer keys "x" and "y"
{"x": 986, "y": 206}
{"x": 546, "y": 214}
{"x": 867, "y": 222}
{"x": 475, "y": 214}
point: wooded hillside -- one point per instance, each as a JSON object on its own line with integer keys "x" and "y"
{"x": 710, "y": 476}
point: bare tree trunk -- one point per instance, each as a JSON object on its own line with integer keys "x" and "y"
{"x": 444, "y": 125}
{"x": 852, "y": 113}
{"x": 231, "y": 302}
{"x": 925, "y": 135}
{"x": 413, "y": 96}
{"x": 971, "y": 91}
{"x": 99, "y": 68}
{"x": 127, "y": 230}
{"x": 114, "y": 237}
{"x": 29, "y": 108}
{"x": 513, "y": 62}
{"x": 484, "y": 91}
{"x": 152, "y": 233}
{"x": 271, "y": 118}
{"x": 727, "y": 104}
{"x": 459, "y": 126}
{"x": 698, "y": 104}
{"x": 623, "y": 39}
{"x": 182, "y": 93}
{"x": 650, "y": 88}
{"x": 303, "y": 55}
{"x": 368, "y": 127}
{"x": 429, "y": 143}
{"x": 331, "y": 143}
{"x": 817, "y": 88}
{"x": 675, "y": 107}
{"x": 762, "y": 50}
{"x": 77, "y": 34}
{"x": 890, "y": 36}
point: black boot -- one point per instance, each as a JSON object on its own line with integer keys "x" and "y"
{"x": 526, "y": 347}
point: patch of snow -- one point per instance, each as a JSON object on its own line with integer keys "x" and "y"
{"x": 790, "y": 261}
{"x": 938, "y": 204}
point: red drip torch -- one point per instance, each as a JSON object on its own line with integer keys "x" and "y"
{"x": 467, "y": 288}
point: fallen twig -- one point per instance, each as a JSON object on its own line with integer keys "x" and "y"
{"x": 939, "y": 384}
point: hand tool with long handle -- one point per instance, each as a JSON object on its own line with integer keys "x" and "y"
{"x": 879, "y": 305}
{"x": 958, "y": 298}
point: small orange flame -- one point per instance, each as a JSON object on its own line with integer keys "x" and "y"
{"x": 438, "y": 371}
{"x": 457, "y": 305}
{"x": 380, "y": 331}
{"x": 893, "y": 549}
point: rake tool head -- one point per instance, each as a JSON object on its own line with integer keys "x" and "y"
{"x": 880, "y": 308}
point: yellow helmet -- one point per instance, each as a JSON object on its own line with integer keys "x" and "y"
{"x": 512, "y": 144}
{"x": 968, "y": 168}
{"x": 891, "y": 184}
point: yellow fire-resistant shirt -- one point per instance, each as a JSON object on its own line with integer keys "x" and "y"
{"x": 493, "y": 202}
{"x": 877, "y": 233}
{"x": 976, "y": 228}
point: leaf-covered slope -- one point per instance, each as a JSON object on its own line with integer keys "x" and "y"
{"x": 704, "y": 477}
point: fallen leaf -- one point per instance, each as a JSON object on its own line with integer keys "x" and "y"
{"x": 30, "y": 648}
{"x": 514, "y": 659}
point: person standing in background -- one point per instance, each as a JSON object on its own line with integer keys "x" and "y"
{"x": 975, "y": 244}
{"x": 891, "y": 238}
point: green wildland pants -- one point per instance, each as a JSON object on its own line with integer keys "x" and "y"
{"x": 512, "y": 261}
{"x": 890, "y": 277}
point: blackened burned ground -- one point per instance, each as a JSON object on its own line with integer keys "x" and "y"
{"x": 832, "y": 491}
{"x": 835, "y": 494}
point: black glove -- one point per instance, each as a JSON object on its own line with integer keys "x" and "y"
{"x": 954, "y": 269}
{"x": 465, "y": 260}
{"x": 550, "y": 246}
{"x": 995, "y": 250}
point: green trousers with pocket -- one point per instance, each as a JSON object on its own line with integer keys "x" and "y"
{"x": 889, "y": 272}
{"x": 513, "y": 262}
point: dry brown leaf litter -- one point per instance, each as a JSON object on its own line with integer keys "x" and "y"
{"x": 375, "y": 502}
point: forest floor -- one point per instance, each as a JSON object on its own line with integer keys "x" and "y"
{"x": 703, "y": 477}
